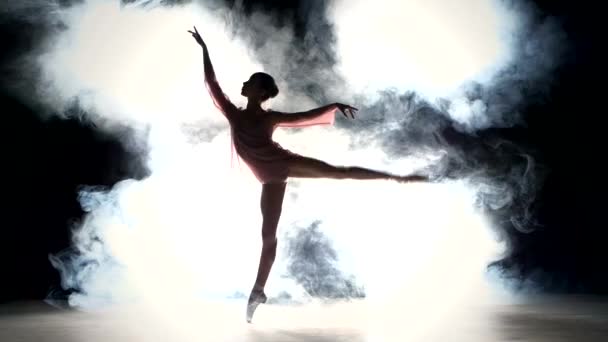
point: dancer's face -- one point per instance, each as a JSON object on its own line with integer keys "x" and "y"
{"x": 252, "y": 89}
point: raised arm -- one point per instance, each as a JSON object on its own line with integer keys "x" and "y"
{"x": 219, "y": 98}
{"x": 318, "y": 116}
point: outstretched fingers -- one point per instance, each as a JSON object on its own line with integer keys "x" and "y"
{"x": 352, "y": 111}
{"x": 346, "y": 110}
{"x": 197, "y": 36}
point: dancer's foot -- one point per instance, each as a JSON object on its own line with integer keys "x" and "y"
{"x": 256, "y": 298}
{"x": 412, "y": 179}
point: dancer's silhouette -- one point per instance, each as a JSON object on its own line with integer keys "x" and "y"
{"x": 251, "y": 130}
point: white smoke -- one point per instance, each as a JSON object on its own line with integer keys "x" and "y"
{"x": 472, "y": 60}
{"x": 193, "y": 227}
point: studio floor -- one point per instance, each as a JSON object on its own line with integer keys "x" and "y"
{"x": 536, "y": 319}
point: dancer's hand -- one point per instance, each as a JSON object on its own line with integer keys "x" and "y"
{"x": 347, "y": 109}
{"x": 198, "y": 38}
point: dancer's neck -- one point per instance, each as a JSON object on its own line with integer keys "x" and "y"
{"x": 254, "y": 106}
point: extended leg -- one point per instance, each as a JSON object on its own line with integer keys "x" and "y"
{"x": 271, "y": 205}
{"x": 305, "y": 167}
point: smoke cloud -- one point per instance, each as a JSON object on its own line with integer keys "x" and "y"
{"x": 313, "y": 263}
{"x": 431, "y": 81}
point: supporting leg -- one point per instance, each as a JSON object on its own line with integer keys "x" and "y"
{"x": 271, "y": 205}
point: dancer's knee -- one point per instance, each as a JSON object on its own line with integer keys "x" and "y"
{"x": 269, "y": 239}
{"x": 269, "y": 245}
{"x": 337, "y": 172}
{"x": 271, "y": 212}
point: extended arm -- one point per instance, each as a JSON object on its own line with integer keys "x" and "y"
{"x": 219, "y": 98}
{"x": 321, "y": 115}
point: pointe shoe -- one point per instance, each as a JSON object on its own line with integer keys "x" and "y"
{"x": 256, "y": 298}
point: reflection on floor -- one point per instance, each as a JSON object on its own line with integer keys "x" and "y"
{"x": 539, "y": 320}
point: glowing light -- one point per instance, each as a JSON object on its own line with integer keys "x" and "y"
{"x": 431, "y": 47}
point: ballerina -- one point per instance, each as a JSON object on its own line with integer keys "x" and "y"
{"x": 251, "y": 131}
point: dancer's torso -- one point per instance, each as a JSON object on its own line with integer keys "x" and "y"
{"x": 252, "y": 132}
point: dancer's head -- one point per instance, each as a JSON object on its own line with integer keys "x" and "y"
{"x": 260, "y": 87}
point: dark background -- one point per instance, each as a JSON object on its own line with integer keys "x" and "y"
{"x": 46, "y": 161}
